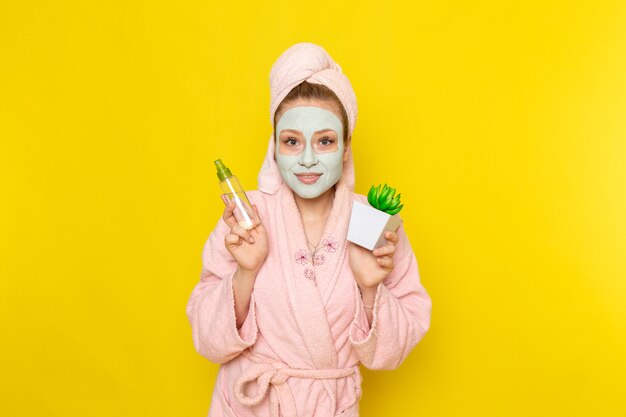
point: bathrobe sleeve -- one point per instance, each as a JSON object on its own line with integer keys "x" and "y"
{"x": 211, "y": 307}
{"x": 400, "y": 316}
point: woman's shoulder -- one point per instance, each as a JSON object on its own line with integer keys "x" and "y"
{"x": 259, "y": 198}
{"x": 256, "y": 195}
{"x": 360, "y": 198}
{"x": 264, "y": 200}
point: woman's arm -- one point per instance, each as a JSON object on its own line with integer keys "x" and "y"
{"x": 221, "y": 308}
{"x": 400, "y": 316}
{"x": 243, "y": 283}
{"x": 368, "y": 296}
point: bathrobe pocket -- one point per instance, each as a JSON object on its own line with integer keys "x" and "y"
{"x": 219, "y": 405}
{"x": 348, "y": 405}
{"x": 352, "y": 411}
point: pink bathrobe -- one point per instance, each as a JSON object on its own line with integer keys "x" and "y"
{"x": 306, "y": 332}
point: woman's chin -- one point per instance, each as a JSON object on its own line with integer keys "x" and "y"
{"x": 312, "y": 196}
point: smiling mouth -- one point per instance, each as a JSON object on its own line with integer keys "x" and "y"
{"x": 308, "y": 177}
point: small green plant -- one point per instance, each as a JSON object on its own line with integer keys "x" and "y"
{"x": 384, "y": 200}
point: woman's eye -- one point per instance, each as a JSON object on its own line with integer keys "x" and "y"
{"x": 291, "y": 141}
{"x": 326, "y": 141}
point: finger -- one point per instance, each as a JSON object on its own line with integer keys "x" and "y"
{"x": 240, "y": 231}
{"x": 385, "y": 262}
{"x": 385, "y": 250}
{"x": 392, "y": 237}
{"x": 232, "y": 240}
{"x": 228, "y": 216}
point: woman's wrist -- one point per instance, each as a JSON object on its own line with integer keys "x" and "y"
{"x": 365, "y": 289}
{"x": 246, "y": 274}
{"x": 368, "y": 295}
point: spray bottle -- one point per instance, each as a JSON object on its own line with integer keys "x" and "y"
{"x": 232, "y": 191}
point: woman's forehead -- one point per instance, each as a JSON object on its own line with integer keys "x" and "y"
{"x": 300, "y": 102}
{"x": 309, "y": 120}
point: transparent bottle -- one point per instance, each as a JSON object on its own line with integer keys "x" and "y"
{"x": 232, "y": 191}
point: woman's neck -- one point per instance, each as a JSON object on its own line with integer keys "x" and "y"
{"x": 314, "y": 209}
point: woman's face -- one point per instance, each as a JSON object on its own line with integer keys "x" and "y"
{"x": 309, "y": 147}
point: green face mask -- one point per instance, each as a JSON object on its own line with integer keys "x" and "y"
{"x": 313, "y": 145}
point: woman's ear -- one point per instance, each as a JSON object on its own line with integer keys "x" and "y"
{"x": 345, "y": 152}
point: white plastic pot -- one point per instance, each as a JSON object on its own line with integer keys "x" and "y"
{"x": 368, "y": 225}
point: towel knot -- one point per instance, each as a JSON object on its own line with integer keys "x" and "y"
{"x": 306, "y": 61}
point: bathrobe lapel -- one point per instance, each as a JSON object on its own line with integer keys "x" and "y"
{"x": 310, "y": 279}
{"x": 332, "y": 250}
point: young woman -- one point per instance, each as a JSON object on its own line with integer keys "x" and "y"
{"x": 290, "y": 308}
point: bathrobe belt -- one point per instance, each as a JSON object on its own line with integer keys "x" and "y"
{"x": 276, "y": 375}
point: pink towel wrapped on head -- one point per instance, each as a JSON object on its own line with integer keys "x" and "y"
{"x": 298, "y": 351}
{"x": 306, "y": 62}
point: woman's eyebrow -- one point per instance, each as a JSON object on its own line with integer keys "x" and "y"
{"x": 297, "y": 131}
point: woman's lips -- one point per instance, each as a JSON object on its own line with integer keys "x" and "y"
{"x": 308, "y": 178}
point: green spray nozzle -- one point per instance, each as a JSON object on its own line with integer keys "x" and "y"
{"x": 222, "y": 171}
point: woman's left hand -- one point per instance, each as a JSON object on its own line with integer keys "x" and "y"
{"x": 371, "y": 267}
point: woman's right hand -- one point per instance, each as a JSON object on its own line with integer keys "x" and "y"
{"x": 249, "y": 254}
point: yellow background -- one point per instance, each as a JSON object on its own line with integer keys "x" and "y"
{"x": 502, "y": 123}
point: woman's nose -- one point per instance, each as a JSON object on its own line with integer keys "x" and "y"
{"x": 308, "y": 157}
